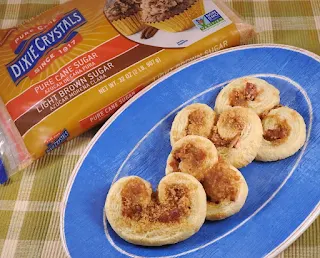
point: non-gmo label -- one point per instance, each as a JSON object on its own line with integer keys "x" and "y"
{"x": 213, "y": 16}
{"x": 209, "y": 20}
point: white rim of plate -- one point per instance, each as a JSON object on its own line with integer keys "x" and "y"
{"x": 277, "y": 250}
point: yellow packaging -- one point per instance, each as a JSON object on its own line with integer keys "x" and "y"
{"x": 69, "y": 69}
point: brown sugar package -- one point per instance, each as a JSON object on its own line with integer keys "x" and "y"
{"x": 73, "y": 66}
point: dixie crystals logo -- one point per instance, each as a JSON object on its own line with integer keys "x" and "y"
{"x": 209, "y": 20}
{"x": 42, "y": 43}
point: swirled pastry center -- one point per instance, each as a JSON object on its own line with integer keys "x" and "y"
{"x": 240, "y": 97}
{"x": 137, "y": 207}
{"x": 233, "y": 122}
{"x": 191, "y": 157}
{"x": 196, "y": 120}
{"x": 221, "y": 183}
{"x": 279, "y": 131}
{"x": 220, "y": 142}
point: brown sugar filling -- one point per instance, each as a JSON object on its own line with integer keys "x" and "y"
{"x": 279, "y": 133}
{"x": 190, "y": 155}
{"x": 176, "y": 206}
{"x": 196, "y": 119}
{"x": 232, "y": 121}
{"x": 221, "y": 183}
{"x": 174, "y": 164}
{"x": 250, "y": 91}
{"x": 217, "y": 140}
{"x": 241, "y": 97}
{"x": 133, "y": 194}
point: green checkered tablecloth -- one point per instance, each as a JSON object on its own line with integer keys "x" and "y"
{"x": 30, "y": 201}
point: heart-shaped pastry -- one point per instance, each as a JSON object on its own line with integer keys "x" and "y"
{"x": 143, "y": 217}
{"x": 225, "y": 187}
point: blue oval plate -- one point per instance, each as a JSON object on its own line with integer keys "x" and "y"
{"x": 283, "y": 196}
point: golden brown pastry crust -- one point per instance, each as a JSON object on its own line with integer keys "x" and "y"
{"x": 225, "y": 187}
{"x": 195, "y": 119}
{"x": 284, "y": 133}
{"x": 250, "y": 92}
{"x": 193, "y": 155}
{"x": 238, "y": 136}
{"x": 175, "y": 212}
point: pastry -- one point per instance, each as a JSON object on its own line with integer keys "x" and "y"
{"x": 125, "y": 15}
{"x": 172, "y": 214}
{"x": 284, "y": 133}
{"x": 195, "y": 119}
{"x": 248, "y": 92}
{"x": 226, "y": 190}
{"x": 225, "y": 187}
{"x": 238, "y": 136}
{"x": 193, "y": 155}
{"x": 171, "y": 16}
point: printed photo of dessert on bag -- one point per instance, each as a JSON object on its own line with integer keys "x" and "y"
{"x": 167, "y": 23}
